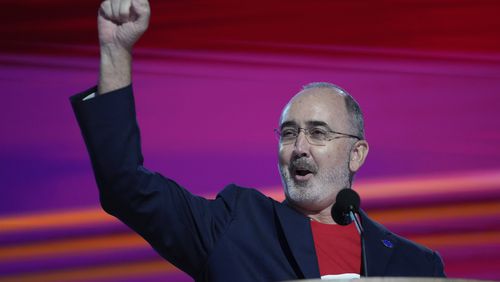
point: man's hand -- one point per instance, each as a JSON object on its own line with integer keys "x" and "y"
{"x": 120, "y": 24}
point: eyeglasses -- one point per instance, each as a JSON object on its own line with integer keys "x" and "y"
{"x": 315, "y": 135}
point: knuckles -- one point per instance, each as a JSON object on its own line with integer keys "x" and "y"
{"x": 124, "y": 10}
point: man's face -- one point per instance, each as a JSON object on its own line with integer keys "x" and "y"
{"x": 311, "y": 174}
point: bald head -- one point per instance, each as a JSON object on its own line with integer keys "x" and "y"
{"x": 349, "y": 115}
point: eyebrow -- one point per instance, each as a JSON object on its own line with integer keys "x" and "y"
{"x": 288, "y": 124}
{"x": 310, "y": 123}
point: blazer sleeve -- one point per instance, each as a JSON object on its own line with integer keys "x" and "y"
{"x": 438, "y": 265}
{"x": 181, "y": 227}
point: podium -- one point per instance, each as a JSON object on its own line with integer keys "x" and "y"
{"x": 394, "y": 279}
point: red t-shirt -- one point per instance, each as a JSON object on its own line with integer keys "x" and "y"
{"x": 338, "y": 248}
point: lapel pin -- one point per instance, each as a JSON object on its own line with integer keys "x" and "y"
{"x": 387, "y": 243}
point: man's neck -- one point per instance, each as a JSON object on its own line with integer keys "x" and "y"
{"x": 323, "y": 216}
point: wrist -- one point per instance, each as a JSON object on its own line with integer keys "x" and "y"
{"x": 115, "y": 68}
{"x": 112, "y": 54}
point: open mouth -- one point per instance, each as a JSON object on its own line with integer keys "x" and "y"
{"x": 302, "y": 169}
{"x": 302, "y": 174}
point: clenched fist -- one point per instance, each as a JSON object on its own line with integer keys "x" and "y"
{"x": 122, "y": 22}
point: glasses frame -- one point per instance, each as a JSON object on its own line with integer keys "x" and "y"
{"x": 307, "y": 135}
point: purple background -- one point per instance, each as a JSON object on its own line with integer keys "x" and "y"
{"x": 207, "y": 114}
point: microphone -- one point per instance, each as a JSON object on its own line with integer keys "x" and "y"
{"x": 347, "y": 202}
{"x": 343, "y": 213}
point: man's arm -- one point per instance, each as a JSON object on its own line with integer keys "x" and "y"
{"x": 120, "y": 24}
{"x": 438, "y": 265}
{"x": 183, "y": 228}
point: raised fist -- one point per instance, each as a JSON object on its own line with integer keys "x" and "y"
{"x": 122, "y": 22}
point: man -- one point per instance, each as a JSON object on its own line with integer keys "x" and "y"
{"x": 242, "y": 235}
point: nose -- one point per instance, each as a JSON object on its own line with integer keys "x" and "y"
{"x": 301, "y": 148}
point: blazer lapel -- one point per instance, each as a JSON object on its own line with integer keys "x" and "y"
{"x": 379, "y": 245}
{"x": 297, "y": 232}
{"x": 379, "y": 242}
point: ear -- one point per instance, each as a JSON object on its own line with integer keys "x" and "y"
{"x": 358, "y": 154}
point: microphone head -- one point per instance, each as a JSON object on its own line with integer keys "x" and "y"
{"x": 347, "y": 200}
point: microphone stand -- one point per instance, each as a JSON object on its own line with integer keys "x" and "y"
{"x": 355, "y": 219}
{"x": 343, "y": 213}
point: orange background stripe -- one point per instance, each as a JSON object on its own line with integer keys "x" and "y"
{"x": 369, "y": 190}
{"x": 138, "y": 269}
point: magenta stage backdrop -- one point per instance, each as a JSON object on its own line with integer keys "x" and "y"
{"x": 210, "y": 80}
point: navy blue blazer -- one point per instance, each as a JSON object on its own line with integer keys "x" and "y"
{"x": 242, "y": 235}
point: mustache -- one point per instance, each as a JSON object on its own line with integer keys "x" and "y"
{"x": 303, "y": 164}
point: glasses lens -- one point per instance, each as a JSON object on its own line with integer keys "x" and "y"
{"x": 289, "y": 136}
{"x": 286, "y": 135}
{"x": 314, "y": 141}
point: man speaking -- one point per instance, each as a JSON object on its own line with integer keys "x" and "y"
{"x": 241, "y": 235}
